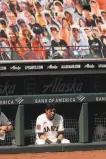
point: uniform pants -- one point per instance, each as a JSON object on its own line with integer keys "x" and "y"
{"x": 41, "y": 141}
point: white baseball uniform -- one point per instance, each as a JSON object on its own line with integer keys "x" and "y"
{"x": 50, "y": 128}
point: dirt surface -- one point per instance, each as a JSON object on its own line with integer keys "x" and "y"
{"x": 97, "y": 154}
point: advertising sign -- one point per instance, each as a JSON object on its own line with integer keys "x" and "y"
{"x": 52, "y": 89}
{"x": 56, "y": 84}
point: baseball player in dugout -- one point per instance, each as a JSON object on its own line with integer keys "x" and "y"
{"x": 49, "y": 127}
{"x": 5, "y": 125}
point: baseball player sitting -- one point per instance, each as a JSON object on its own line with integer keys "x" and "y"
{"x": 49, "y": 127}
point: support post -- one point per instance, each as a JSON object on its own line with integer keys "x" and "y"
{"x": 83, "y": 123}
{"x": 19, "y": 128}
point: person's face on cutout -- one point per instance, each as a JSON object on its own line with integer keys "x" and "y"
{"x": 29, "y": 17}
{"x": 55, "y": 34}
{"x": 23, "y": 26}
{"x": 12, "y": 35}
{"x": 3, "y": 7}
{"x": 11, "y": 17}
{"x": 59, "y": 7}
{"x": 75, "y": 32}
{"x": 48, "y": 17}
{"x": 68, "y": 16}
{"x": 2, "y": 24}
{"x": 96, "y": 32}
{"x": 87, "y": 14}
{"x": 82, "y": 23}
{"x": 68, "y": 2}
{"x": 79, "y": 7}
{"x": 65, "y": 23}
{"x": 25, "y": 32}
{"x": 23, "y": 6}
{"x": 94, "y": 5}
{"x": 88, "y": 32}
{"x": 104, "y": 15}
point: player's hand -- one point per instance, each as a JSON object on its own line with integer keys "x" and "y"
{"x": 48, "y": 141}
{"x": 58, "y": 141}
{"x": 2, "y": 132}
{"x": 4, "y": 128}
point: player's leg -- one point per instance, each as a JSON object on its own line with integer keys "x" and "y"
{"x": 65, "y": 141}
{"x": 40, "y": 142}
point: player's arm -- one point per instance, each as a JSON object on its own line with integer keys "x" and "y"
{"x": 60, "y": 135}
{"x": 42, "y": 136}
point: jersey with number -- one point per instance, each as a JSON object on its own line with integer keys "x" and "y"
{"x": 50, "y": 128}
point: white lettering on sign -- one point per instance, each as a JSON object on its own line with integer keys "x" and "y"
{"x": 70, "y": 66}
{"x": 6, "y": 102}
{"x": 57, "y": 100}
{"x": 100, "y": 99}
{"x": 35, "y": 67}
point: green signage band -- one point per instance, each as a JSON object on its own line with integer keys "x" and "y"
{"x": 53, "y": 98}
